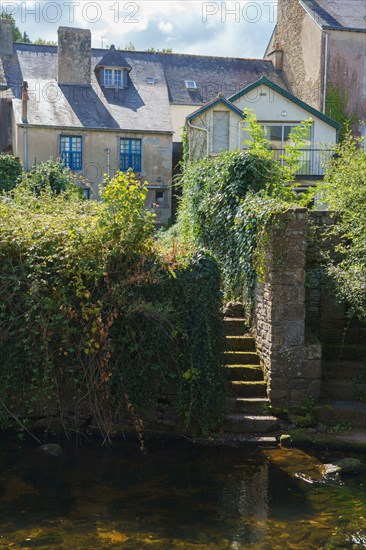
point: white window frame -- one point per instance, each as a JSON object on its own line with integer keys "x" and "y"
{"x": 115, "y": 77}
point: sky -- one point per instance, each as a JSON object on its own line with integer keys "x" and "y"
{"x": 234, "y": 29}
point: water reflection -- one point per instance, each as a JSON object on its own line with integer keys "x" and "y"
{"x": 177, "y": 496}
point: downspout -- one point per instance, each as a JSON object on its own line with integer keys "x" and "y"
{"x": 325, "y": 77}
{"x": 108, "y": 163}
{"x": 239, "y": 133}
{"x": 202, "y": 130}
{"x": 25, "y": 98}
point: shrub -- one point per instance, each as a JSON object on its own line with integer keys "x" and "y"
{"x": 345, "y": 193}
{"x": 11, "y": 170}
{"x": 87, "y": 303}
{"x": 54, "y": 175}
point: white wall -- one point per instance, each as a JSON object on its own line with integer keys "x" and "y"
{"x": 269, "y": 105}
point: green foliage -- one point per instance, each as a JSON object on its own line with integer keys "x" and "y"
{"x": 337, "y": 108}
{"x": 345, "y": 193}
{"x": 89, "y": 304}
{"x": 215, "y": 214}
{"x": 230, "y": 200}
{"x": 11, "y": 169}
{"x": 17, "y": 35}
{"x": 54, "y": 175}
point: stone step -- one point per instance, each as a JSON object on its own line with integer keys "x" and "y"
{"x": 247, "y": 405}
{"x": 240, "y": 358}
{"x": 348, "y": 352}
{"x": 343, "y": 412}
{"x": 243, "y": 372}
{"x": 244, "y": 423}
{"x": 235, "y": 327}
{"x": 342, "y": 390}
{"x": 240, "y": 343}
{"x": 343, "y": 369}
{"x": 246, "y": 389}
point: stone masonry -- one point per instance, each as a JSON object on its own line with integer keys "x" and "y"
{"x": 292, "y": 367}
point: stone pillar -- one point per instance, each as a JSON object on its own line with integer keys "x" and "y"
{"x": 292, "y": 367}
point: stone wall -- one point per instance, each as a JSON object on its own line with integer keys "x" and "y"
{"x": 291, "y": 364}
{"x": 302, "y": 43}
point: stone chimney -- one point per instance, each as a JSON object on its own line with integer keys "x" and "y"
{"x": 276, "y": 56}
{"x": 6, "y": 37}
{"x": 74, "y": 59}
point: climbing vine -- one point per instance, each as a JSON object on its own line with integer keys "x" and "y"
{"x": 229, "y": 202}
{"x": 91, "y": 306}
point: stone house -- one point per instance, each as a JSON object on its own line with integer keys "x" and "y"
{"x": 90, "y": 108}
{"x": 102, "y": 110}
{"x": 321, "y": 45}
{"x": 219, "y": 126}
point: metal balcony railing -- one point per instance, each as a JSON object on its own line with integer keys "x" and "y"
{"x": 312, "y": 161}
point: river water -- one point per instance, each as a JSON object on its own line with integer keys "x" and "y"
{"x": 177, "y": 495}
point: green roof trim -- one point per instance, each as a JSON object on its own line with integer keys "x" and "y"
{"x": 265, "y": 81}
{"x": 211, "y": 104}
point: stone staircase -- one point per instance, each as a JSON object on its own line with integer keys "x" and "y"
{"x": 247, "y": 403}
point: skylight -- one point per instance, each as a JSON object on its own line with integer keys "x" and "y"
{"x": 191, "y": 85}
{"x": 150, "y": 80}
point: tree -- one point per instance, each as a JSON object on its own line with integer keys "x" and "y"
{"x": 44, "y": 42}
{"x": 156, "y": 50}
{"x": 17, "y": 35}
{"x": 345, "y": 193}
{"x": 130, "y": 47}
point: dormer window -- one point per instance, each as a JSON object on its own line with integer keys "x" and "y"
{"x": 112, "y": 70}
{"x": 113, "y": 78}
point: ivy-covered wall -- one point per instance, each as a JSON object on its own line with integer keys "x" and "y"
{"x": 99, "y": 324}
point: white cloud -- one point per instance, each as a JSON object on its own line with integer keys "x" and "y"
{"x": 237, "y": 29}
{"x": 165, "y": 27}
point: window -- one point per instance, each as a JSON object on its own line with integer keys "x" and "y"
{"x": 160, "y": 198}
{"x": 221, "y": 121}
{"x": 130, "y": 154}
{"x": 191, "y": 85}
{"x": 278, "y": 135}
{"x": 71, "y": 152}
{"x": 113, "y": 78}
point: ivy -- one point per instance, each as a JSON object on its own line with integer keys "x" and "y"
{"x": 11, "y": 170}
{"x": 89, "y": 303}
{"x": 230, "y": 201}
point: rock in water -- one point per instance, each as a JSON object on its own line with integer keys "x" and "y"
{"x": 52, "y": 449}
{"x": 349, "y": 465}
{"x": 345, "y": 466}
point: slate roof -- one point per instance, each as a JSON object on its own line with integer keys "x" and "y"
{"x": 114, "y": 58}
{"x": 212, "y": 104}
{"x": 139, "y": 107}
{"x": 213, "y": 75}
{"x": 338, "y": 14}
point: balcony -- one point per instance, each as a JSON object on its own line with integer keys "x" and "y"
{"x": 312, "y": 161}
